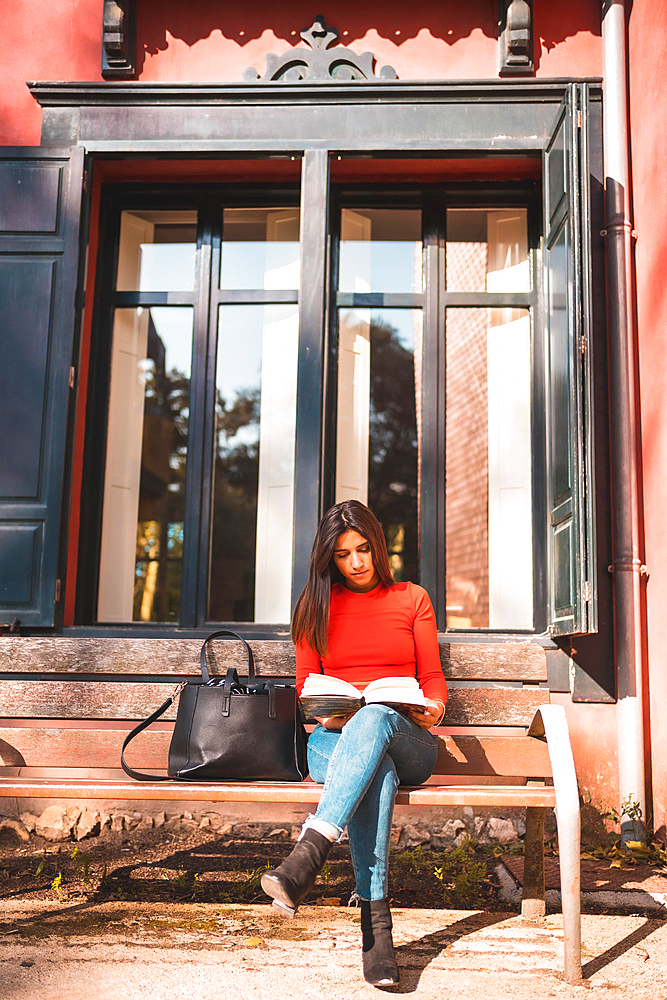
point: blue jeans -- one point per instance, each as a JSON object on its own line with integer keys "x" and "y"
{"x": 361, "y": 767}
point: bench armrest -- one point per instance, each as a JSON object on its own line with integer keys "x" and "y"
{"x": 550, "y": 723}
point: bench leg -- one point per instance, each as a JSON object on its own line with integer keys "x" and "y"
{"x": 533, "y": 902}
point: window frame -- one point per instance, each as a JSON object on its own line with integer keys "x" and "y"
{"x": 205, "y": 299}
{"x": 434, "y": 199}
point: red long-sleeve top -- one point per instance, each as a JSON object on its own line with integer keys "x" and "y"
{"x": 386, "y": 632}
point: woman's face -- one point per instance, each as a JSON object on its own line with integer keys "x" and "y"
{"x": 354, "y": 561}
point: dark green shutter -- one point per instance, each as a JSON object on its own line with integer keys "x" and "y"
{"x": 40, "y": 201}
{"x": 569, "y": 416}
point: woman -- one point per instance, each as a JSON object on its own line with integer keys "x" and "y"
{"x": 360, "y": 625}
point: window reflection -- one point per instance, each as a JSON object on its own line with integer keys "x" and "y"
{"x": 379, "y": 384}
{"x": 157, "y": 251}
{"x": 251, "y": 556}
{"x": 488, "y": 502}
{"x": 380, "y": 250}
{"x": 487, "y": 250}
{"x": 260, "y": 248}
{"x": 144, "y": 493}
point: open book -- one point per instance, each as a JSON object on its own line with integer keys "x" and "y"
{"x": 325, "y": 696}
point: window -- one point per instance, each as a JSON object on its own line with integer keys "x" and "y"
{"x": 379, "y": 354}
{"x": 199, "y": 363}
{"x": 476, "y": 325}
{"x": 143, "y": 513}
{"x": 488, "y": 447}
{"x": 201, "y": 352}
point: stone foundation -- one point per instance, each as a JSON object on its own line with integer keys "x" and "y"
{"x": 59, "y": 822}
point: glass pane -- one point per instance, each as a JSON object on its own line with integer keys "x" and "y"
{"x": 253, "y": 495}
{"x": 157, "y": 252}
{"x": 488, "y": 498}
{"x": 487, "y": 251}
{"x": 144, "y": 487}
{"x": 378, "y": 440}
{"x": 380, "y": 250}
{"x": 260, "y": 248}
{"x": 560, "y": 376}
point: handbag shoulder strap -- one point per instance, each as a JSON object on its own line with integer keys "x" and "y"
{"x": 138, "y": 775}
{"x": 229, "y": 634}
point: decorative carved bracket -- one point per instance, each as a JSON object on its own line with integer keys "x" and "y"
{"x": 515, "y": 36}
{"x": 119, "y": 39}
{"x": 319, "y": 62}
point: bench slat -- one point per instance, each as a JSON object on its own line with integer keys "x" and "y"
{"x": 296, "y": 792}
{"x": 476, "y": 756}
{"x": 519, "y": 661}
{"x": 54, "y": 699}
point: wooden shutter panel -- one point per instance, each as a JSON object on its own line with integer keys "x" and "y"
{"x": 569, "y": 418}
{"x": 40, "y": 199}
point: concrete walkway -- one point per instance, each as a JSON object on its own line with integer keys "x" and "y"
{"x": 123, "y": 951}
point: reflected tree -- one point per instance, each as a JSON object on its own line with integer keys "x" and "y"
{"x": 157, "y": 591}
{"x": 393, "y": 451}
{"x": 232, "y": 582}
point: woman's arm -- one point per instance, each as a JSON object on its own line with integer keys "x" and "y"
{"x": 307, "y": 662}
{"x": 431, "y": 716}
{"x": 427, "y": 654}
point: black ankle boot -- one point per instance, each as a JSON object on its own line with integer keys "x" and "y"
{"x": 290, "y": 881}
{"x": 380, "y": 968}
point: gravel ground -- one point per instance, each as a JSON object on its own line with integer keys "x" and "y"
{"x": 50, "y": 951}
{"x": 160, "y": 914}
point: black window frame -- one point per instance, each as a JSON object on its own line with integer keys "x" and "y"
{"x": 434, "y": 199}
{"x": 209, "y": 200}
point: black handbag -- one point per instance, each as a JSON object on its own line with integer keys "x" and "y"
{"x": 229, "y": 731}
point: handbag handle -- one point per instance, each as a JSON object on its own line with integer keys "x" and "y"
{"x": 234, "y": 635}
{"x": 137, "y": 775}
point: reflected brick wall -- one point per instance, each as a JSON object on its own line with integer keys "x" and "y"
{"x": 467, "y": 453}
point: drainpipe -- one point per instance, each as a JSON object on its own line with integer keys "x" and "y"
{"x": 627, "y": 567}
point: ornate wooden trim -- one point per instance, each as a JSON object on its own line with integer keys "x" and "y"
{"x": 319, "y": 62}
{"x": 119, "y": 39}
{"x": 515, "y": 36}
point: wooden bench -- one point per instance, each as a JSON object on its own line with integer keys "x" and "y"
{"x": 67, "y": 704}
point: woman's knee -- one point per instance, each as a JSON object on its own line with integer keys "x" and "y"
{"x": 372, "y": 719}
{"x": 318, "y": 765}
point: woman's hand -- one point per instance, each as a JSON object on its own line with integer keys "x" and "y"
{"x": 335, "y": 721}
{"x": 429, "y": 717}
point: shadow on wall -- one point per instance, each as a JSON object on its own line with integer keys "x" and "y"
{"x": 396, "y": 23}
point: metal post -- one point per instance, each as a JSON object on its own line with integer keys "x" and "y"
{"x": 533, "y": 898}
{"x": 627, "y": 566}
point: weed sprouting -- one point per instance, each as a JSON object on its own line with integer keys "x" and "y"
{"x": 251, "y": 887}
{"x": 82, "y": 862}
{"x": 459, "y": 875}
{"x": 632, "y": 809}
{"x": 57, "y": 886}
{"x": 325, "y": 874}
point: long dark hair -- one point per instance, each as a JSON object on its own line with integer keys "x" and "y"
{"x": 310, "y": 621}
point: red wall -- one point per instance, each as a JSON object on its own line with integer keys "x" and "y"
{"x": 421, "y": 41}
{"x": 648, "y": 90}
{"x": 59, "y": 40}
{"x": 208, "y": 41}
